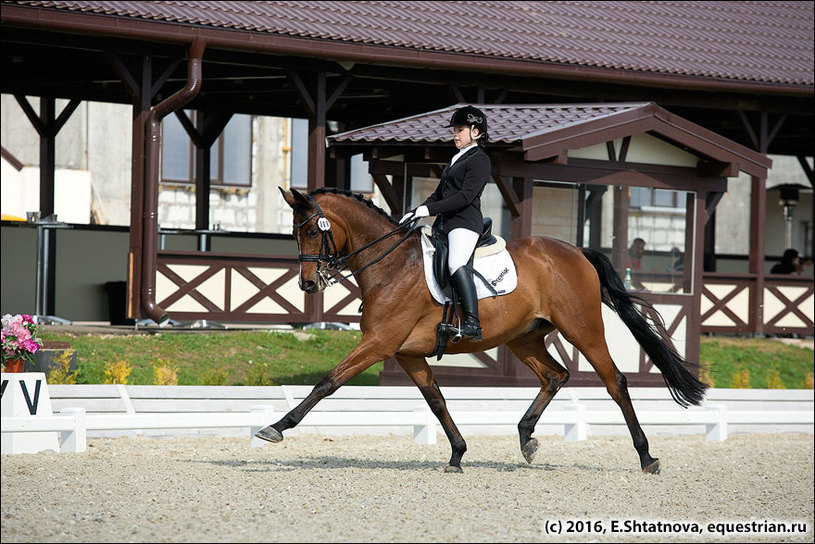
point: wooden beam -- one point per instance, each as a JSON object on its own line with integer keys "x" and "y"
{"x": 302, "y": 91}
{"x": 711, "y": 202}
{"x": 338, "y": 92}
{"x": 388, "y": 193}
{"x": 189, "y": 127}
{"x": 604, "y": 172}
{"x": 802, "y": 160}
{"x": 165, "y": 75}
{"x": 65, "y": 114}
{"x": 390, "y": 168}
{"x": 717, "y": 169}
{"x": 619, "y": 244}
{"x": 521, "y": 225}
{"x": 748, "y": 127}
{"x": 624, "y": 149}
{"x": 124, "y": 74}
{"x": 758, "y": 203}
{"x": 510, "y": 196}
{"x": 39, "y": 126}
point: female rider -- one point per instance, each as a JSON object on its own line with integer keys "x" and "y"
{"x": 456, "y": 203}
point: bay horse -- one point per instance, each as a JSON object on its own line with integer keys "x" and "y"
{"x": 559, "y": 287}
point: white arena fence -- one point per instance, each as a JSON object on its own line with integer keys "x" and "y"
{"x": 82, "y": 411}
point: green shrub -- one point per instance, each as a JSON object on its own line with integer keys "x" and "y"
{"x": 117, "y": 371}
{"x": 214, "y": 376}
{"x": 774, "y": 380}
{"x": 258, "y": 374}
{"x": 60, "y": 371}
{"x": 164, "y": 373}
{"x": 741, "y": 379}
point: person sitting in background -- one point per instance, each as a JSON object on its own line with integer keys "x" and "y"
{"x": 789, "y": 263}
{"x": 678, "y": 259}
{"x": 635, "y": 254}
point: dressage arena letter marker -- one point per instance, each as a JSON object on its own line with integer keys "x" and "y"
{"x": 19, "y": 401}
{"x": 32, "y": 407}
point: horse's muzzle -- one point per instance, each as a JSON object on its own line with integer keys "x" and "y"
{"x": 309, "y": 287}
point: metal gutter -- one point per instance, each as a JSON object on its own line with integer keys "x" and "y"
{"x": 266, "y": 43}
{"x": 152, "y": 149}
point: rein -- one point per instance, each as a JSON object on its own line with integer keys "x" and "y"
{"x": 328, "y": 248}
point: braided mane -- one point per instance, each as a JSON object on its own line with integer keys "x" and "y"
{"x": 355, "y": 196}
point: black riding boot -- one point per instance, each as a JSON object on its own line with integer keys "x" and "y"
{"x": 462, "y": 282}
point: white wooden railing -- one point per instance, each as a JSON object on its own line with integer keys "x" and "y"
{"x": 83, "y": 409}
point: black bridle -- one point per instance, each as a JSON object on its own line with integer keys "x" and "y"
{"x": 331, "y": 257}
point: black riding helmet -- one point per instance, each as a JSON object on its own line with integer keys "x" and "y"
{"x": 470, "y": 116}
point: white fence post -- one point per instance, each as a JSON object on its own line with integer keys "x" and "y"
{"x": 265, "y": 414}
{"x": 576, "y": 431}
{"x": 75, "y": 440}
{"x": 717, "y": 431}
{"x": 425, "y": 433}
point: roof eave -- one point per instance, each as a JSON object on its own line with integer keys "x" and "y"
{"x": 107, "y": 25}
{"x": 646, "y": 118}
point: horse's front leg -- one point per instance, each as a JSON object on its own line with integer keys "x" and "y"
{"x": 367, "y": 352}
{"x": 421, "y": 374}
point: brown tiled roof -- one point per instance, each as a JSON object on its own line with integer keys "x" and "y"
{"x": 545, "y": 130}
{"x": 768, "y": 42}
{"x": 508, "y": 124}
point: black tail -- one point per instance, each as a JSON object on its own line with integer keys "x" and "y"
{"x": 684, "y": 387}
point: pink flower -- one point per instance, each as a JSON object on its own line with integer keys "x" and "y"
{"x": 19, "y": 337}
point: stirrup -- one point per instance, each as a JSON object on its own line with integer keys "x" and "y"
{"x": 476, "y": 328}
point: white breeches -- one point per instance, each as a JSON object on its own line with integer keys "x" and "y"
{"x": 461, "y": 243}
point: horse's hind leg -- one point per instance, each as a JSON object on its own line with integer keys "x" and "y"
{"x": 552, "y": 375}
{"x": 421, "y": 374}
{"x": 593, "y": 346}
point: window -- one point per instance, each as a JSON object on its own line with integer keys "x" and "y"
{"x": 648, "y": 198}
{"x": 230, "y": 155}
{"x": 299, "y": 153}
{"x": 361, "y": 180}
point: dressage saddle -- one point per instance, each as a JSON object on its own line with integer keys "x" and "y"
{"x": 446, "y": 330}
{"x": 439, "y": 240}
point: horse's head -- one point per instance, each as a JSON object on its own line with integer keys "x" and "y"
{"x": 320, "y": 237}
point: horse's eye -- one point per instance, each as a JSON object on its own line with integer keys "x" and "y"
{"x": 313, "y": 233}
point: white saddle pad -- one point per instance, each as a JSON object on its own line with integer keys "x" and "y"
{"x": 497, "y": 268}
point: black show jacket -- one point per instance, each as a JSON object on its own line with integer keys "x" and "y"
{"x": 457, "y": 200}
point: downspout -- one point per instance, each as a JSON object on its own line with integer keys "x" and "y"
{"x": 153, "y": 146}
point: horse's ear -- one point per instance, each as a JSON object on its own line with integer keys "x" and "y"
{"x": 294, "y": 198}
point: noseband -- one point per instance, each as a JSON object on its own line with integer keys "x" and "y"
{"x": 328, "y": 249}
{"x": 330, "y": 256}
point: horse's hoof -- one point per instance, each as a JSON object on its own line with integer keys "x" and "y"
{"x": 653, "y": 468}
{"x": 453, "y": 469}
{"x": 269, "y": 434}
{"x": 530, "y": 449}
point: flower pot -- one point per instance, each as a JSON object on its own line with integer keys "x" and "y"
{"x": 15, "y": 365}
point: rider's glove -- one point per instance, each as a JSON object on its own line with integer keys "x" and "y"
{"x": 418, "y": 213}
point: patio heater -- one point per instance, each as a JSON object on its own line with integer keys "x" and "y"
{"x": 789, "y": 197}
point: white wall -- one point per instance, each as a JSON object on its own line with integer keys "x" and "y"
{"x": 21, "y": 193}
{"x": 93, "y": 158}
{"x": 733, "y": 212}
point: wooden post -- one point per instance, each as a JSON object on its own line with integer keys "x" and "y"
{"x": 521, "y": 225}
{"x": 142, "y": 94}
{"x": 758, "y": 203}
{"x": 619, "y": 244}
